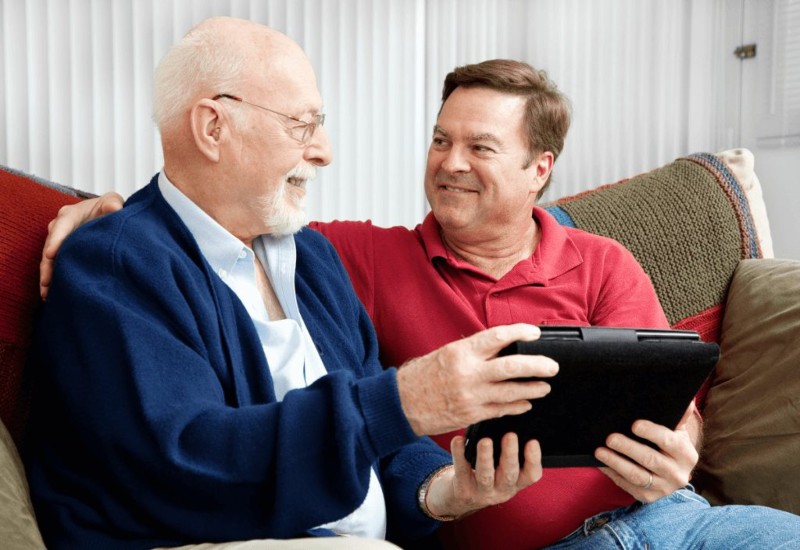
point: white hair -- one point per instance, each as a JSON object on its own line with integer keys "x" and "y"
{"x": 204, "y": 61}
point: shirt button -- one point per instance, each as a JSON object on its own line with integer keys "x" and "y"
{"x": 242, "y": 254}
{"x": 222, "y": 273}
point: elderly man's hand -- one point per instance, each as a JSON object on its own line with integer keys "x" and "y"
{"x": 462, "y": 490}
{"x": 649, "y": 474}
{"x": 465, "y": 382}
{"x": 69, "y": 218}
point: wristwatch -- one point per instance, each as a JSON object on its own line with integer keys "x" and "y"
{"x": 422, "y": 494}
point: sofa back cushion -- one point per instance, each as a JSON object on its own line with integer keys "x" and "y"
{"x": 688, "y": 223}
{"x": 27, "y": 204}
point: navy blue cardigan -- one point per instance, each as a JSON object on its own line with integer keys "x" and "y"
{"x": 154, "y": 419}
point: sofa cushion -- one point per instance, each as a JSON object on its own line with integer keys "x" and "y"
{"x": 688, "y": 223}
{"x": 27, "y": 204}
{"x": 17, "y": 522}
{"x": 752, "y": 425}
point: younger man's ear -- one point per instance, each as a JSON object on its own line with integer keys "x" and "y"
{"x": 542, "y": 165}
{"x": 208, "y": 128}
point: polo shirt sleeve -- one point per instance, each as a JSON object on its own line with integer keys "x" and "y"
{"x": 355, "y": 244}
{"x": 626, "y": 297}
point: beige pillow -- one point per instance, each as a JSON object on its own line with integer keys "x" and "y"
{"x": 18, "y": 529}
{"x": 752, "y": 415}
{"x": 741, "y": 163}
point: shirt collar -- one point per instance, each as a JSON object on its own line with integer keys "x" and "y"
{"x": 554, "y": 255}
{"x": 220, "y": 248}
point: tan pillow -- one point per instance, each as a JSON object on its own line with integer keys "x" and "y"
{"x": 18, "y": 529}
{"x": 741, "y": 163}
{"x": 752, "y": 414}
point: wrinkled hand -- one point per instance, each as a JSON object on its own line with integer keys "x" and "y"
{"x": 69, "y": 218}
{"x": 464, "y": 382}
{"x": 630, "y": 463}
{"x": 464, "y": 490}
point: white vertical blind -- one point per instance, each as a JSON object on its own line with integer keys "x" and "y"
{"x": 644, "y": 76}
{"x": 789, "y": 55}
{"x": 778, "y": 103}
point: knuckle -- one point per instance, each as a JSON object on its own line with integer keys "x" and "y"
{"x": 509, "y": 479}
{"x": 500, "y": 333}
{"x": 671, "y": 440}
{"x": 484, "y": 479}
{"x": 506, "y": 366}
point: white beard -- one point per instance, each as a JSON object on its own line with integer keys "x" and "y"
{"x": 287, "y": 214}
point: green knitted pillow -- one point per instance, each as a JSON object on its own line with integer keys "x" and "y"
{"x": 687, "y": 223}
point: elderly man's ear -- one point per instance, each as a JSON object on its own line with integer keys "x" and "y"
{"x": 209, "y": 128}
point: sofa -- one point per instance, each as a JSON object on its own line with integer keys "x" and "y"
{"x": 697, "y": 225}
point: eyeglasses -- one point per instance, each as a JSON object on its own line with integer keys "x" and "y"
{"x": 302, "y": 132}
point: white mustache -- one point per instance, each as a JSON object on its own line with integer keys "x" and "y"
{"x": 303, "y": 171}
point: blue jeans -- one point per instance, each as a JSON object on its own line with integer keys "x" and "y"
{"x": 685, "y": 520}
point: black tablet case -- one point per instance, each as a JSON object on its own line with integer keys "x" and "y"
{"x": 607, "y": 379}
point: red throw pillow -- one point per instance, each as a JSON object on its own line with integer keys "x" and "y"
{"x": 27, "y": 204}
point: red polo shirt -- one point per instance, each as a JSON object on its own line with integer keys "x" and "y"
{"x": 421, "y": 297}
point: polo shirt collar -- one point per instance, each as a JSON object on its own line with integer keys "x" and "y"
{"x": 554, "y": 255}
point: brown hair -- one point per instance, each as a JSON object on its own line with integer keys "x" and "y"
{"x": 547, "y": 113}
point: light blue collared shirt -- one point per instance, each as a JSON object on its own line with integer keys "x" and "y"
{"x": 293, "y": 359}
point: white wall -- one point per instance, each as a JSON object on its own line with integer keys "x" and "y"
{"x": 647, "y": 79}
{"x": 768, "y": 129}
{"x": 778, "y": 169}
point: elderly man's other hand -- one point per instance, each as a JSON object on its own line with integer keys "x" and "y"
{"x": 465, "y": 382}
{"x": 649, "y": 474}
{"x": 69, "y": 218}
{"x": 462, "y": 489}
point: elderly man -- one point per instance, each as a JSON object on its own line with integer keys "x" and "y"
{"x": 487, "y": 256}
{"x": 209, "y": 375}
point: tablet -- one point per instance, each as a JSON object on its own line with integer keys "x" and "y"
{"x": 607, "y": 379}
